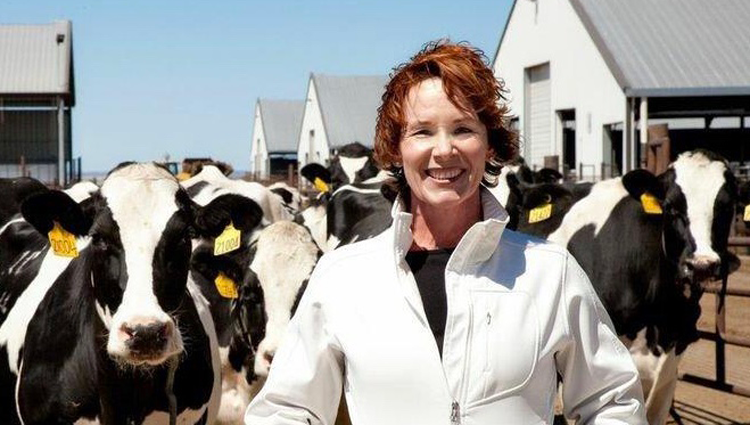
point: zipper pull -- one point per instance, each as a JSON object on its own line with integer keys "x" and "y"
{"x": 455, "y": 414}
{"x": 489, "y": 318}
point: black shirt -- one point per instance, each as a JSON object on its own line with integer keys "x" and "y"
{"x": 429, "y": 272}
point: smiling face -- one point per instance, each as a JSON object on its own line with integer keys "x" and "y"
{"x": 443, "y": 150}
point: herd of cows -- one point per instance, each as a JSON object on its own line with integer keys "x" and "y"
{"x": 149, "y": 300}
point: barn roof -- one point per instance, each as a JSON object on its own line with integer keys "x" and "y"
{"x": 37, "y": 59}
{"x": 672, "y": 47}
{"x": 281, "y": 120}
{"x": 349, "y": 106}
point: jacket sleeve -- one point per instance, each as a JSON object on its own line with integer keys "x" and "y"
{"x": 306, "y": 377}
{"x": 600, "y": 381}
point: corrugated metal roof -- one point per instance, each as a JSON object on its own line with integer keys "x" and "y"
{"x": 36, "y": 59}
{"x": 349, "y": 105}
{"x": 282, "y": 120}
{"x": 672, "y": 47}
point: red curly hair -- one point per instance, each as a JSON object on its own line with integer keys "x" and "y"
{"x": 470, "y": 85}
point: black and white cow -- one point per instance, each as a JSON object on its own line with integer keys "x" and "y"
{"x": 95, "y": 336}
{"x": 647, "y": 268}
{"x": 269, "y": 269}
{"x": 350, "y": 213}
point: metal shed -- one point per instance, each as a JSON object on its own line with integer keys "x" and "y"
{"x": 37, "y": 94}
{"x": 615, "y": 67}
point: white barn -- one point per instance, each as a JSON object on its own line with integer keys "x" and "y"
{"x": 275, "y": 130}
{"x": 586, "y": 77}
{"x": 338, "y": 110}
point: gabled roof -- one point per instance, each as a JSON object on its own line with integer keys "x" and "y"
{"x": 37, "y": 59}
{"x": 349, "y": 106}
{"x": 281, "y": 120}
{"x": 672, "y": 47}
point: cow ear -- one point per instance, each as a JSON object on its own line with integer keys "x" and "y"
{"x": 315, "y": 171}
{"x": 244, "y": 213}
{"x": 41, "y": 210}
{"x": 638, "y": 182}
{"x": 548, "y": 175}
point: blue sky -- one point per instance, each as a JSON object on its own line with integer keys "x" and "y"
{"x": 182, "y": 77}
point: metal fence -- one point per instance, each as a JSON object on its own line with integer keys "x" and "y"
{"x": 719, "y": 336}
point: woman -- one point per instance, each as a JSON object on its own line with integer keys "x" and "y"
{"x": 447, "y": 317}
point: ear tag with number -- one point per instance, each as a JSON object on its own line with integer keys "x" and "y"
{"x": 321, "y": 185}
{"x": 226, "y": 286}
{"x": 228, "y": 240}
{"x": 63, "y": 243}
{"x": 540, "y": 213}
{"x": 746, "y": 216}
{"x": 650, "y": 204}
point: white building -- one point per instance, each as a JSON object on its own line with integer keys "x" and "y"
{"x": 275, "y": 133}
{"x": 338, "y": 110}
{"x": 584, "y": 75}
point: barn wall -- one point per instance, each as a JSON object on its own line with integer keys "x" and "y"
{"x": 312, "y": 119}
{"x": 549, "y": 31}
{"x": 259, "y": 150}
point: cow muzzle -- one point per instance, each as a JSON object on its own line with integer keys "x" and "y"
{"x": 149, "y": 342}
{"x": 703, "y": 267}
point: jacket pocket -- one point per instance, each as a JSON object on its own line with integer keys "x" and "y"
{"x": 505, "y": 342}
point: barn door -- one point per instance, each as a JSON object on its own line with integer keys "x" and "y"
{"x": 538, "y": 115}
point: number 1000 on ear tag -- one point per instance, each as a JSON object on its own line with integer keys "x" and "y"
{"x": 228, "y": 240}
{"x": 63, "y": 243}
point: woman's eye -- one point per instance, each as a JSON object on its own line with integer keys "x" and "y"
{"x": 420, "y": 132}
{"x": 463, "y": 130}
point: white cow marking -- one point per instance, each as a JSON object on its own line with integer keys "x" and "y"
{"x": 594, "y": 209}
{"x": 142, "y": 200}
{"x": 700, "y": 179}
{"x": 352, "y": 165}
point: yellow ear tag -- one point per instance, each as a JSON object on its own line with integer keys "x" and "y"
{"x": 321, "y": 185}
{"x": 228, "y": 240}
{"x": 63, "y": 243}
{"x": 226, "y": 286}
{"x": 540, "y": 213}
{"x": 746, "y": 216}
{"x": 650, "y": 204}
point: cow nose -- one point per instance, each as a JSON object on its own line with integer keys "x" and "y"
{"x": 703, "y": 266}
{"x": 147, "y": 338}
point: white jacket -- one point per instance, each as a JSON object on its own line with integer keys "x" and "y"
{"x": 520, "y": 310}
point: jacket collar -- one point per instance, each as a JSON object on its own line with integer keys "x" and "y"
{"x": 476, "y": 245}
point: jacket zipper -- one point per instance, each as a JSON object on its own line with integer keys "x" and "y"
{"x": 455, "y": 413}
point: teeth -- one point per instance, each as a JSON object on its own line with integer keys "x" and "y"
{"x": 443, "y": 174}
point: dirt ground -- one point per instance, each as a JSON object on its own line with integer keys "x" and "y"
{"x": 701, "y": 405}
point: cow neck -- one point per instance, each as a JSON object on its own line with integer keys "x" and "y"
{"x": 476, "y": 245}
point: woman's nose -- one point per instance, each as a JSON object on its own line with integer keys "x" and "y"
{"x": 443, "y": 145}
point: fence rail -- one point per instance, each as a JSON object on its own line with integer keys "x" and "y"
{"x": 719, "y": 336}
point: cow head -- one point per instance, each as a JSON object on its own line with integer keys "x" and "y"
{"x": 700, "y": 195}
{"x": 283, "y": 262}
{"x": 140, "y": 226}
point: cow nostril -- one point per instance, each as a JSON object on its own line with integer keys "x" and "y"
{"x": 127, "y": 331}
